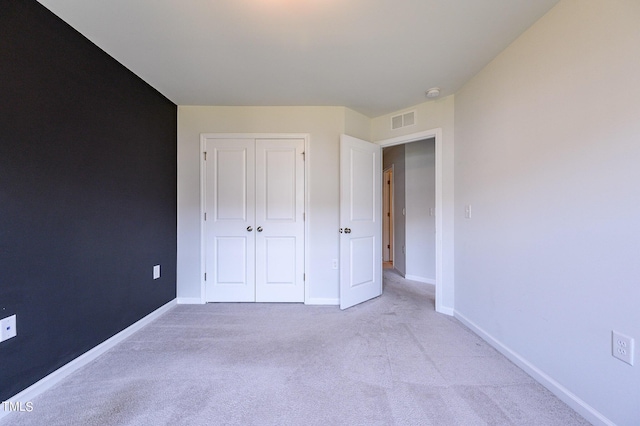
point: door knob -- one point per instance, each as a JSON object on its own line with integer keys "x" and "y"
{"x": 347, "y": 230}
{"x": 259, "y": 229}
{"x": 249, "y": 229}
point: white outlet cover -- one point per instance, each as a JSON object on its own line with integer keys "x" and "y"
{"x": 622, "y": 347}
{"x": 8, "y": 330}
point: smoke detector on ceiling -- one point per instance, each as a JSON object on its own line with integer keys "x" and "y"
{"x": 434, "y": 92}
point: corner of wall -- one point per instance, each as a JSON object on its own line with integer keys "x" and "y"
{"x": 357, "y": 125}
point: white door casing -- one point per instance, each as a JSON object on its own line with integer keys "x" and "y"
{"x": 360, "y": 221}
{"x": 253, "y": 218}
{"x": 444, "y": 270}
{"x": 387, "y": 216}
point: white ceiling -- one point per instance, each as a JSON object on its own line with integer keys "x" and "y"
{"x": 374, "y": 56}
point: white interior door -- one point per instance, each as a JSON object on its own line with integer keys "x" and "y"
{"x": 230, "y": 216}
{"x": 279, "y": 220}
{"x": 360, "y": 221}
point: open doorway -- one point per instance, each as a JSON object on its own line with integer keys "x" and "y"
{"x": 443, "y": 273}
{"x": 444, "y": 284}
{"x": 409, "y": 225}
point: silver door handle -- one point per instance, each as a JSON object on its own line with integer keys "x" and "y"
{"x": 259, "y": 229}
{"x": 347, "y": 230}
{"x": 249, "y": 229}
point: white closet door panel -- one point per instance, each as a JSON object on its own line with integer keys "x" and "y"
{"x": 279, "y": 220}
{"x": 279, "y": 259}
{"x": 280, "y": 185}
{"x": 231, "y": 260}
{"x": 230, "y": 186}
{"x": 230, "y": 208}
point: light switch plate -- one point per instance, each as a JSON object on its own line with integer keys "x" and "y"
{"x": 156, "y": 272}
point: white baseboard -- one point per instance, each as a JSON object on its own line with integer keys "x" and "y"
{"x": 446, "y": 311}
{"x": 420, "y": 279}
{"x": 54, "y": 378}
{"x": 190, "y": 301}
{"x": 564, "y": 394}
{"x": 321, "y": 301}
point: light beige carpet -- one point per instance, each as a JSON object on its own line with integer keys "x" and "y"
{"x": 389, "y": 361}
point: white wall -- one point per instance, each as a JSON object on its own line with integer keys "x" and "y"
{"x": 357, "y": 125}
{"x": 394, "y": 157}
{"x": 548, "y": 156}
{"x": 324, "y": 124}
{"x": 420, "y": 190}
{"x": 432, "y": 115}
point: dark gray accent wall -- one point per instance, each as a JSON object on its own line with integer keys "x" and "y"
{"x": 87, "y": 194}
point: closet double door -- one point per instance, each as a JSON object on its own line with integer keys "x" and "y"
{"x": 253, "y": 198}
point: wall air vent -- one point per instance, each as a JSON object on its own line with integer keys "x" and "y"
{"x": 396, "y": 122}
{"x": 403, "y": 120}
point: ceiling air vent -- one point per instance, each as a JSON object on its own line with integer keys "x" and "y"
{"x": 403, "y": 120}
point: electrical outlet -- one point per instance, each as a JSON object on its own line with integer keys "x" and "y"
{"x": 334, "y": 264}
{"x": 156, "y": 272}
{"x": 622, "y": 347}
{"x": 8, "y": 328}
{"x": 467, "y": 211}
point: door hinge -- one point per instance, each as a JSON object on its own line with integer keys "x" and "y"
{"x": 388, "y": 182}
{"x": 388, "y": 214}
{"x": 205, "y": 156}
{"x": 304, "y": 277}
{"x": 388, "y": 246}
{"x": 205, "y": 216}
{"x": 304, "y": 216}
{"x": 205, "y": 276}
{"x": 303, "y": 156}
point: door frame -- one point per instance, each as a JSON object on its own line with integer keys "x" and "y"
{"x": 415, "y": 137}
{"x": 203, "y": 136}
{"x": 391, "y": 211}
